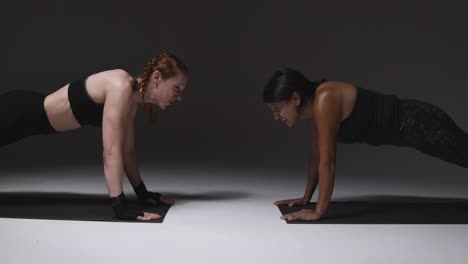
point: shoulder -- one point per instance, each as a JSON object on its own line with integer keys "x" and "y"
{"x": 117, "y": 86}
{"x": 117, "y": 83}
{"x": 112, "y": 79}
{"x": 334, "y": 84}
{"x": 327, "y": 102}
{"x": 325, "y": 94}
{"x": 332, "y": 90}
{"x": 120, "y": 79}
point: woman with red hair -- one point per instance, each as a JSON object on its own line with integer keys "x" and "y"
{"x": 109, "y": 100}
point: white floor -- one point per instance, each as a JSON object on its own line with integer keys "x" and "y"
{"x": 222, "y": 216}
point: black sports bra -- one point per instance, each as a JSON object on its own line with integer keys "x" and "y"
{"x": 85, "y": 110}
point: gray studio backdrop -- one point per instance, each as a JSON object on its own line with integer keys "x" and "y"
{"x": 413, "y": 49}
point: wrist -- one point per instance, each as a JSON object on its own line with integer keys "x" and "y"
{"x": 140, "y": 190}
{"x": 146, "y": 196}
{"x": 122, "y": 209}
{"x": 118, "y": 200}
{"x": 319, "y": 211}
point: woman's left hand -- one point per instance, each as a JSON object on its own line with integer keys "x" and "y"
{"x": 304, "y": 214}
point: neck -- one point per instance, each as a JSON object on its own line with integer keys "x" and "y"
{"x": 136, "y": 94}
{"x": 307, "y": 111}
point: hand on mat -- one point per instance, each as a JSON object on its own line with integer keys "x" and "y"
{"x": 148, "y": 216}
{"x": 291, "y": 202}
{"x": 304, "y": 214}
{"x": 125, "y": 212}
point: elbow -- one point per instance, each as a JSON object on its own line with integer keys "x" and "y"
{"x": 327, "y": 163}
{"x": 109, "y": 155}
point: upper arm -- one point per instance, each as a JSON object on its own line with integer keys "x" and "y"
{"x": 129, "y": 138}
{"x": 116, "y": 107}
{"x": 313, "y": 151}
{"x": 327, "y": 113}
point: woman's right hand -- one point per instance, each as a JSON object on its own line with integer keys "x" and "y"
{"x": 123, "y": 211}
{"x": 148, "y": 216}
{"x": 292, "y": 202}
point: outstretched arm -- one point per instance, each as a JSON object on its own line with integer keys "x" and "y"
{"x": 131, "y": 166}
{"x": 312, "y": 169}
{"x": 115, "y": 115}
{"x": 129, "y": 153}
{"x": 327, "y": 115}
{"x": 113, "y": 132}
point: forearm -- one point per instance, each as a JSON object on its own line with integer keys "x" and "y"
{"x": 326, "y": 183}
{"x": 113, "y": 170}
{"x": 312, "y": 179}
{"x": 133, "y": 174}
{"x": 132, "y": 168}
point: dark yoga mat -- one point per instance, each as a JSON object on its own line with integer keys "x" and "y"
{"x": 66, "y": 206}
{"x": 389, "y": 210}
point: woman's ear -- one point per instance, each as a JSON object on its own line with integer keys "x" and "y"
{"x": 156, "y": 76}
{"x": 295, "y": 99}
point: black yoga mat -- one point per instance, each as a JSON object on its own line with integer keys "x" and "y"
{"x": 66, "y": 206}
{"x": 389, "y": 210}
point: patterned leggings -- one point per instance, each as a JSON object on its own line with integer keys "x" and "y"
{"x": 431, "y": 130}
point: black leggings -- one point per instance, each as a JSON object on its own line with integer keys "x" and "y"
{"x": 22, "y": 114}
{"x": 430, "y": 130}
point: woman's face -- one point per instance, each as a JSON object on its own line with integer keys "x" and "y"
{"x": 286, "y": 111}
{"x": 164, "y": 92}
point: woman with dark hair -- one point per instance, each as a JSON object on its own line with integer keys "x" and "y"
{"x": 340, "y": 112}
{"x": 109, "y": 100}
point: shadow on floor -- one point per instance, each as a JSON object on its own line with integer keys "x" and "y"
{"x": 389, "y": 210}
{"x": 67, "y": 206}
{"x": 181, "y": 198}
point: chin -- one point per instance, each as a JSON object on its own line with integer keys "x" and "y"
{"x": 162, "y": 106}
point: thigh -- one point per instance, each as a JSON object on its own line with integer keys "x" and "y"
{"x": 430, "y": 129}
